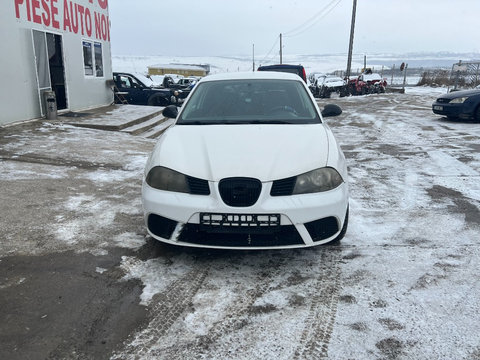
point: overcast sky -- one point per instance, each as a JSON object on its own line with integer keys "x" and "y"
{"x": 230, "y": 27}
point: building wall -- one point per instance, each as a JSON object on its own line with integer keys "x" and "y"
{"x": 19, "y": 96}
{"x": 179, "y": 71}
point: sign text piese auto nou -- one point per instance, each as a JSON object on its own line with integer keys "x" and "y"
{"x": 71, "y": 17}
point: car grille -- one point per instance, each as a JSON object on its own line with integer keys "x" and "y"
{"x": 240, "y": 192}
{"x": 284, "y": 236}
{"x": 443, "y": 100}
{"x": 198, "y": 186}
{"x": 283, "y": 187}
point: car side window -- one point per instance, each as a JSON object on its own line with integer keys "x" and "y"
{"x": 123, "y": 82}
{"x": 134, "y": 83}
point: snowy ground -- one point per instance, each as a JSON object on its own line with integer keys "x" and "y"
{"x": 403, "y": 284}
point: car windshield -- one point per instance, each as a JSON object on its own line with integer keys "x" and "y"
{"x": 146, "y": 81}
{"x": 271, "y": 101}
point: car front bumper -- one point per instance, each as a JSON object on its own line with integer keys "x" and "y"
{"x": 452, "y": 110}
{"x": 303, "y": 220}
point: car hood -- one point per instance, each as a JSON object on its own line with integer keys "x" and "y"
{"x": 265, "y": 152}
{"x": 462, "y": 93}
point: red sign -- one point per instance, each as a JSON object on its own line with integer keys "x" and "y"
{"x": 75, "y": 18}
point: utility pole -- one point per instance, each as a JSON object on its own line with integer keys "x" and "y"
{"x": 280, "y": 48}
{"x": 350, "y": 46}
{"x": 253, "y": 57}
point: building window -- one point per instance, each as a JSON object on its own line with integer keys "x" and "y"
{"x": 98, "y": 60}
{"x": 87, "y": 58}
{"x": 92, "y": 58}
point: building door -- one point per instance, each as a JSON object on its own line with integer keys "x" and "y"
{"x": 50, "y": 67}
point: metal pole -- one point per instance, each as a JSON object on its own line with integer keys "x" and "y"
{"x": 253, "y": 57}
{"x": 350, "y": 45}
{"x": 280, "y": 48}
{"x": 476, "y": 75}
{"x": 457, "y": 75}
{"x": 405, "y": 76}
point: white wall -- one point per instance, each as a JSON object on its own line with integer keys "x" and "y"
{"x": 19, "y": 90}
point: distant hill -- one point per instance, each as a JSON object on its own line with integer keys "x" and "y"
{"x": 313, "y": 62}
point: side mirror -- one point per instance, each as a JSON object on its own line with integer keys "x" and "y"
{"x": 170, "y": 111}
{"x": 331, "y": 110}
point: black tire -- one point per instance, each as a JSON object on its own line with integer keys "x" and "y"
{"x": 157, "y": 100}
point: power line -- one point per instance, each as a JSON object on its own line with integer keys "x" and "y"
{"x": 273, "y": 47}
{"x": 313, "y": 20}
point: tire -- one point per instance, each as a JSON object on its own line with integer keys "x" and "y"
{"x": 157, "y": 100}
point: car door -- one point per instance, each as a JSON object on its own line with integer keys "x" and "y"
{"x": 135, "y": 91}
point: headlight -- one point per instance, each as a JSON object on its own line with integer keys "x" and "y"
{"x": 459, "y": 100}
{"x": 163, "y": 178}
{"x": 318, "y": 180}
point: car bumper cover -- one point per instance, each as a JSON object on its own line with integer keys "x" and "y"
{"x": 272, "y": 222}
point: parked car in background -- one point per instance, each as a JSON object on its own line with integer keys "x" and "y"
{"x": 317, "y": 82}
{"x": 248, "y": 164}
{"x": 367, "y": 83}
{"x": 463, "y": 104}
{"x": 137, "y": 89}
{"x": 293, "y": 69}
{"x": 331, "y": 84}
{"x": 314, "y": 76}
{"x": 187, "y": 82}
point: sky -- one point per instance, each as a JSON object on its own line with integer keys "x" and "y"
{"x": 233, "y": 27}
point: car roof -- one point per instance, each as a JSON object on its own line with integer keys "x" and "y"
{"x": 250, "y": 75}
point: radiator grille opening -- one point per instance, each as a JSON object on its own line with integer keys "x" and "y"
{"x": 240, "y": 192}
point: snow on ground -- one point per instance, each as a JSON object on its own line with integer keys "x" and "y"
{"x": 403, "y": 284}
{"x": 99, "y": 171}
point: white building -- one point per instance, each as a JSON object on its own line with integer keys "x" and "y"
{"x": 58, "y": 45}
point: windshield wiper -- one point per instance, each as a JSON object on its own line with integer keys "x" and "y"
{"x": 268, "y": 122}
{"x": 235, "y": 122}
{"x": 198, "y": 122}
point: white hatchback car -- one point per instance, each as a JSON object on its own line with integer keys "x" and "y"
{"x": 248, "y": 164}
